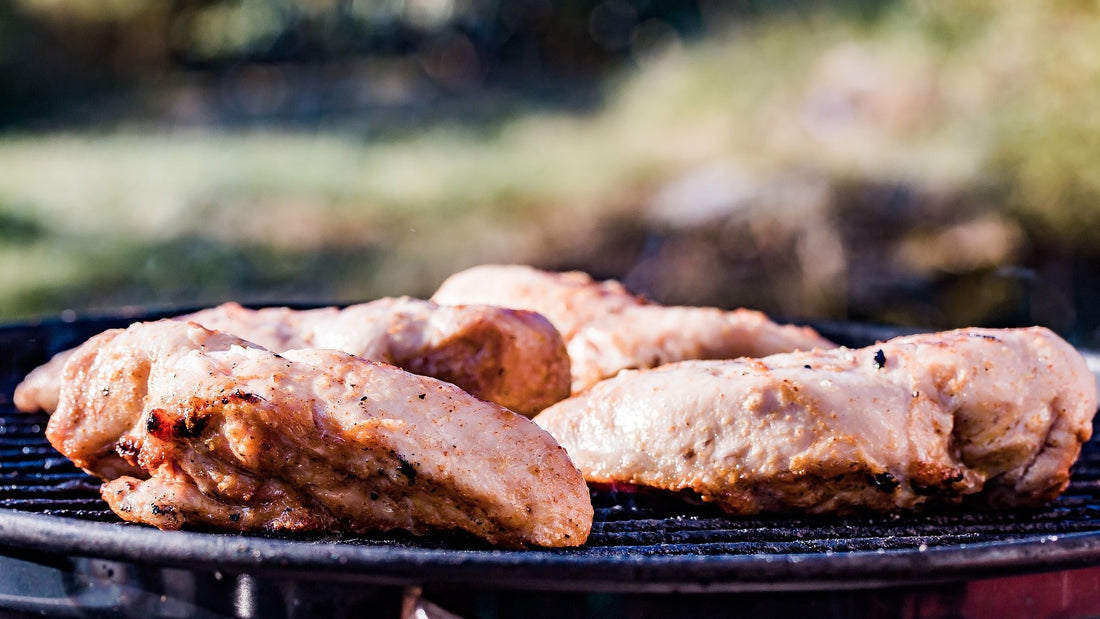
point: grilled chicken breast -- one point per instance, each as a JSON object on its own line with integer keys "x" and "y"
{"x": 608, "y": 329}
{"x": 191, "y": 426}
{"x": 512, "y": 357}
{"x": 997, "y": 414}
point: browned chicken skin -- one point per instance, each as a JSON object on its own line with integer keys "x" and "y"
{"x": 999, "y": 414}
{"x": 608, "y": 329}
{"x": 191, "y": 426}
{"x": 512, "y": 357}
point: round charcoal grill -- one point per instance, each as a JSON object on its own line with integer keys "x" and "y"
{"x": 63, "y": 553}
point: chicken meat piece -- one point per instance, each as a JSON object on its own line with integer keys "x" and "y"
{"x": 512, "y": 357}
{"x": 608, "y": 329}
{"x": 195, "y": 427}
{"x": 648, "y": 336}
{"x": 997, "y": 415}
{"x": 571, "y": 300}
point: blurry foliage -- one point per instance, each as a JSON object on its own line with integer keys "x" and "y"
{"x": 916, "y": 162}
{"x": 59, "y": 49}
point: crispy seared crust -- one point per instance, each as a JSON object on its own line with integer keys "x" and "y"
{"x": 997, "y": 414}
{"x": 200, "y": 428}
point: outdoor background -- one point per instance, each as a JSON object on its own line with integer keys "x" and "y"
{"x": 921, "y": 163}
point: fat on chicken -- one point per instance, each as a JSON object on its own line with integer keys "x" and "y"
{"x": 514, "y": 358}
{"x": 608, "y": 329}
{"x": 195, "y": 427}
{"x": 998, "y": 416}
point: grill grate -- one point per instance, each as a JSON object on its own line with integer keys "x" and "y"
{"x": 628, "y": 526}
{"x": 35, "y": 478}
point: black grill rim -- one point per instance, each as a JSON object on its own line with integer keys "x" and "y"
{"x": 605, "y": 569}
{"x": 542, "y": 569}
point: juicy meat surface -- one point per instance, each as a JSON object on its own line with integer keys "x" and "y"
{"x": 571, "y": 300}
{"x": 608, "y": 329}
{"x": 512, "y": 357}
{"x": 191, "y": 426}
{"x": 932, "y": 418}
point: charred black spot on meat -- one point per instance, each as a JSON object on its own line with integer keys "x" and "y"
{"x": 163, "y": 510}
{"x": 924, "y": 489}
{"x": 159, "y": 424}
{"x": 407, "y": 469}
{"x": 884, "y": 481}
{"x": 190, "y": 426}
{"x": 235, "y": 517}
{"x": 880, "y": 359}
{"x": 241, "y": 396}
{"x": 167, "y": 426}
{"x": 422, "y": 396}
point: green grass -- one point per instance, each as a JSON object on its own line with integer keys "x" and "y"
{"x": 997, "y": 104}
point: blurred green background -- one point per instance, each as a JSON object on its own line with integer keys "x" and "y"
{"x": 923, "y": 163}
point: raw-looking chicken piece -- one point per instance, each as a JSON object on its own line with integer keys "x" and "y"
{"x": 608, "y": 329}
{"x": 512, "y": 357}
{"x": 191, "y": 426}
{"x": 933, "y": 418}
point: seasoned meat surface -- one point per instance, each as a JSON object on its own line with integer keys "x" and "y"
{"x": 570, "y": 300}
{"x": 212, "y": 430}
{"x": 647, "y": 336}
{"x": 104, "y": 384}
{"x": 932, "y": 418}
{"x": 512, "y": 357}
{"x": 608, "y": 329}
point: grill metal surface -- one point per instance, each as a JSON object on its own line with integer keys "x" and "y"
{"x": 639, "y": 542}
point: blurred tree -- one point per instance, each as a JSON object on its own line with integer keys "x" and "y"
{"x": 55, "y": 56}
